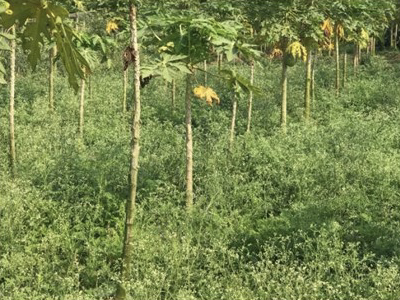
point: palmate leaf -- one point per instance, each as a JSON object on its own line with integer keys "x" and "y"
{"x": 236, "y": 81}
{"x": 169, "y": 67}
{"x": 38, "y": 19}
{"x": 32, "y": 38}
{"x": 206, "y": 93}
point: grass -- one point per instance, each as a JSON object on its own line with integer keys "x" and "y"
{"x": 314, "y": 214}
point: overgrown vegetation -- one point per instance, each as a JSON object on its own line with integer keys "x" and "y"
{"x": 249, "y": 186}
{"x": 313, "y": 214}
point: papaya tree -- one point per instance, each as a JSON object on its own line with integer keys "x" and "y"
{"x": 37, "y": 20}
{"x": 194, "y": 38}
{"x": 134, "y": 157}
{"x": 280, "y": 30}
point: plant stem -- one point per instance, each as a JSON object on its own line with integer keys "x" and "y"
{"x": 250, "y": 103}
{"x": 284, "y": 96}
{"x": 307, "y": 94}
{"x": 189, "y": 145}
{"x": 134, "y": 163}
{"x": 81, "y": 108}
{"x": 337, "y": 51}
{"x": 124, "y": 88}
{"x": 233, "y": 122}
{"x": 12, "y": 101}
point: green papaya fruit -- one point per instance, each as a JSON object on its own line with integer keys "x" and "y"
{"x": 289, "y": 59}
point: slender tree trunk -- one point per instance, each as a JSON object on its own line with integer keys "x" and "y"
{"x": 205, "y": 72}
{"x": 124, "y": 88}
{"x": 373, "y": 46}
{"x": 344, "y": 79}
{"x": 173, "y": 93}
{"x": 12, "y": 101}
{"x": 314, "y": 61}
{"x": 90, "y": 87}
{"x": 250, "y": 104}
{"x": 391, "y": 35}
{"x": 284, "y": 95}
{"x": 134, "y": 164}
{"x": 220, "y": 58}
{"x": 81, "y": 108}
{"x": 189, "y": 145}
{"x": 355, "y": 59}
{"x": 233, "y": 122}
{"x": 337, "y": 52}
{"x": 52, "y": 54}
{"x": 396, "y": 30}
{"x": 307, "y": 94}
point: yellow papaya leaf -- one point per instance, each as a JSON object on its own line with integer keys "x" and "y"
{"x": 327, "y": 28}
{"x": 276, "y": 53}
{"x": 111, "y": 26}
{"x": 340, "y": 31}
{"x": 207, "y": 93}
{"x": 297, "y": 50}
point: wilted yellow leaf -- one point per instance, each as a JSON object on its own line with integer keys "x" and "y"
{"x": 111, "y": 26}
{"x": 340, "y": 31}
{"x": 207, "y": 93}
{"x": 327, "y": 28}
{"x": 297, "y": 50}
{"x": 276, "y": 53}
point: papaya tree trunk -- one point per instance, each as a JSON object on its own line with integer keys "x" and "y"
{"x": 344, "y": 79}
{"x": 313, "y": 64}
{"x": 307, "y": 94}
{"x": 250, "y": 104}
{"x": 337, "y": 52}
{"x": 82, "y": 108}
{"x": 355, "y": 59}
{"x": 90, "y": 87}
{"x": 373, "y": 47}
{"x": 124, "y": 88}
{"x": 134, "y": 162}
{"x": 233, "y": 121}
{"x": 391, "y": 35}
{"x": 284, "y": 95}
{"x": 205, "y": 72}
{"x": 189, "y": 145}
{"x": 173, "y": 93}
{"x": 52, "y": 54}
{"x": 12, "y": 101}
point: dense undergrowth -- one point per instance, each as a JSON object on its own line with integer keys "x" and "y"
{"x": 314, "y": 214}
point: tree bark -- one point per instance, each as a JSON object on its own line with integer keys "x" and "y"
{"x": 391, "y": 35}
{"x": 344, "y": 79}
{"x": 337, "y": 52}
{"x": 124, "y": 88}
{"x": 205, "y": 72}
{"x": 355, "y": 59}
{"x": 173, "y": 93}
{"x": 233, "y": 122}
{"x": 250, "y": 104}
{"x": 81, "y": 108}
{"x": 284, "y": 95}
{"x": 396, "y": 30}
{"x": 90, "y": 87}
{"x": 52, "y": 54}
{"x": 189, "y": 145}
{"x": 314, "y": 61}
{"x": 134, "y": 164}
{"x": 307, "y": 94}
{"x": 12, "y": 101}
